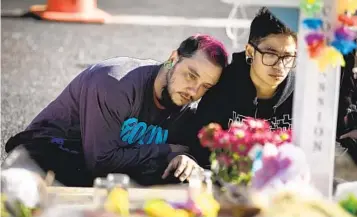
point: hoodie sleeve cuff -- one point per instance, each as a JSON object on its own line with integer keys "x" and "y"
{"x": 164, "y": 150}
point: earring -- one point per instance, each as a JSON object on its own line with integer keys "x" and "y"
{"x": 168, "y": 64}
{"x": 248, "y": 60}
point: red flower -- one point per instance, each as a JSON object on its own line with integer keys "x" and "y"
{"x": 262, "y": 137}
{"x": 316, "y": 48}
{"x": 241, "y": 141}
{"x": 207, "y": 134}
{"x": 242, "y": 136}
{"x": 347, "y": 20}
{"x": 206, "y": 139}
{"x": 222, "y": 140}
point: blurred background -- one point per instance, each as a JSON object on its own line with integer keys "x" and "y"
{"x": 39, "y": 58}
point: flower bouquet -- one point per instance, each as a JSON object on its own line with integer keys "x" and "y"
{"x": 236, "y": 153}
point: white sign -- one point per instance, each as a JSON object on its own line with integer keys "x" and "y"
{"x": 315, "y": 108}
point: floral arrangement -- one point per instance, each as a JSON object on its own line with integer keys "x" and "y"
{"x": 237, "y": 153}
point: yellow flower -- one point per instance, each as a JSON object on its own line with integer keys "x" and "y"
{"x": 330, "y": 56}
{"x": 118, "y": 202}
{"x": 159, "y": 208}
{"x": 208, "y": 205}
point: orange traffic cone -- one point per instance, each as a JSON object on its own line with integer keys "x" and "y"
{"x": 71, "y": 11}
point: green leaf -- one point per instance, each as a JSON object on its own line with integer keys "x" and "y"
{"x": 213, "y": 156}
{"x": 350, "y": 204}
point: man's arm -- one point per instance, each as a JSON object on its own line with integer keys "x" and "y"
{"x": 105, "y": 103}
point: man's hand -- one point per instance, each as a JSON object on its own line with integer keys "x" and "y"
{"x": 352, "y": 134}
{"x": 179, "y": 148}
{"x": 183, "y": 165}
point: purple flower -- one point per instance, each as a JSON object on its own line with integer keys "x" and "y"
{"x": 272, "y": 165}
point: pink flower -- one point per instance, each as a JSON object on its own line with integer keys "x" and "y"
{"x": 238, "y": 125}
{"x": 205, "y": 139}
{"x": 238, "y": 133}
{"x": 262, "y": 125}
{"x": 242, "y": 149}
{"x": 222, "y": 140}
{"x": 240, "y": 141}
{"x": 207, "y": 135}
{"x": 257, "y": 124}
{"x": 262, "y": 137}
{"x": 282, "y": 136}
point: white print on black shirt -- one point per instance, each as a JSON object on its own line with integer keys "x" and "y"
{"x": 275, "y": 123}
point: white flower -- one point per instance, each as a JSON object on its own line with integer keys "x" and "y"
{"x": 23, "y": 185}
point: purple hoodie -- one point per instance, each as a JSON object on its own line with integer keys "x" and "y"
{"x": 109, "y": 110}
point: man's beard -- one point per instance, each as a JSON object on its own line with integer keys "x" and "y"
{"x": 166, "y": 99}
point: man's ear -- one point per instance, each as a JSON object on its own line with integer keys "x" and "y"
{"x": 249, "y": 51}
{"x": 174, "y": 57}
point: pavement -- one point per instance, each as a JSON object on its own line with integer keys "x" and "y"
{"x": 39, "y": 58}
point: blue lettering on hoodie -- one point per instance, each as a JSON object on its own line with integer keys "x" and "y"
{"x": 134, "y": 132}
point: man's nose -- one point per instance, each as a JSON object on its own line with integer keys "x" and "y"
{"x": 193, "y": 90}
{"x": 280, "y": 64}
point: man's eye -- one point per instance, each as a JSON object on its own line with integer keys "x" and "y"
{"x": 207, "y": 86}
{"x": 289, "y": 58}
{"x": 192, "y": 76}
{"x": 271, "y": 55}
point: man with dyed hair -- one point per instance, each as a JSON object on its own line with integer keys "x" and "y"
{"x": 125, "y": 115}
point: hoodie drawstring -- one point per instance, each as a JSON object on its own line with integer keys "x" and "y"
{"x": 255, "y": 102}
